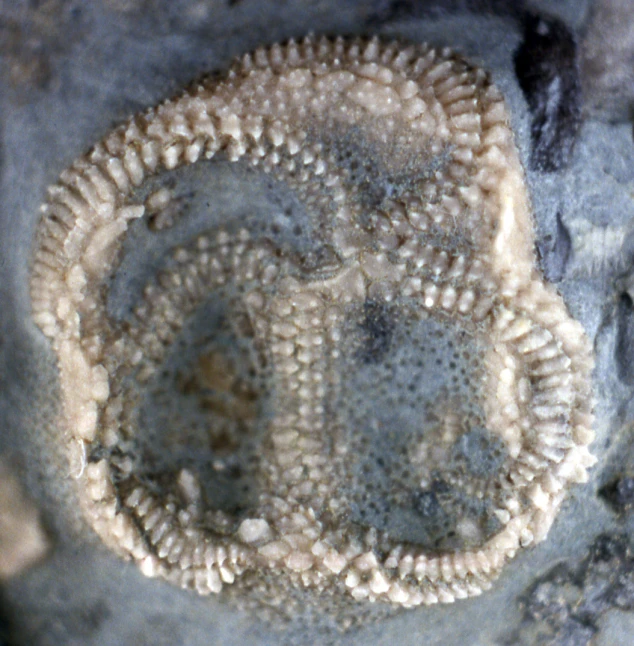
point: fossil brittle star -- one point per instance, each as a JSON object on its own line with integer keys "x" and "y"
{"x": 406, "y": 166}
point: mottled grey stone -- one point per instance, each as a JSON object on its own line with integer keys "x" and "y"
{"x": 70, "y": 70}
{"x": 607, "y": 60}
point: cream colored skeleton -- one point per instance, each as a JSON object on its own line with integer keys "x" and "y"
{"x": 411, "y": 103}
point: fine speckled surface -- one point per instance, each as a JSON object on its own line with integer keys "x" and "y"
{"x": 73, "y": 73}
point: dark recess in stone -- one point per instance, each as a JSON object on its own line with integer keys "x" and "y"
{"x": 547, "y": 70}
{"x": 624, "y": 348}
{"x": 554, "y": 252}
{"x": 563, "y": 607}
{"x": 619, "y": 493}
{"x": 6, "y": 627}
{"x": 76, "y": 625}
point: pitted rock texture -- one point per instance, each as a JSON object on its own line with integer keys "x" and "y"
{"x": 230, "y": 426}
{"x": 566, "y": 604}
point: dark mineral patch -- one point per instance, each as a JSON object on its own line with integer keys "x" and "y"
{"x": 624, "y": 348}
{"x": 554, "y": 252}
{"x": 619, "y": 493}
{"x": 547, "y": 71}
{"x": 376, "y": 332}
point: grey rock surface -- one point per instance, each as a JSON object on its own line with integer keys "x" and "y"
{"x": 70, "y": 71}
{"x": 607, "y": 54}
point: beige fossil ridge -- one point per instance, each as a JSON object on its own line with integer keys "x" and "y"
{"x": 405, "y": 163}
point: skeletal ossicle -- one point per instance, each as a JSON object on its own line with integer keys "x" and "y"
{"x": 357, "y": 384}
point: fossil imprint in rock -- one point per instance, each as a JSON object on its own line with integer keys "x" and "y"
{"x": 372, "y": 394}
